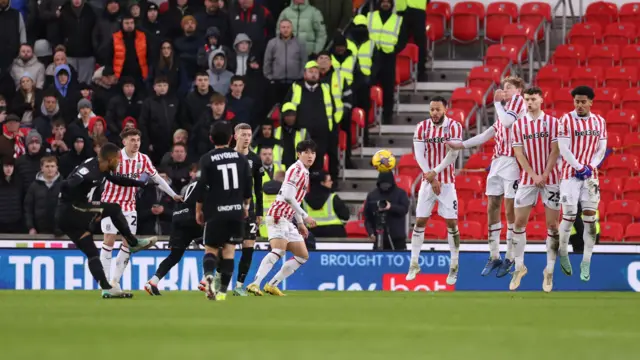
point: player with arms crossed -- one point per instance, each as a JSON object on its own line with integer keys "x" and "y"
{"x": 76, "y": 216}
{"x": 133, "y": 165}
{"x": 535, "y": 144}
{"x": 438, "y": 182}
{"x": 223, "y": 196}
{"x": 582, "y": 138}
{"x": 502, "y": 180}
{"x": 283, "y": 235}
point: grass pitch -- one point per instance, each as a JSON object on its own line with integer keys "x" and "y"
{"x": 321, "y": 325}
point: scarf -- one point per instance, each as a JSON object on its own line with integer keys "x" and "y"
{"x": 18, "y": 147}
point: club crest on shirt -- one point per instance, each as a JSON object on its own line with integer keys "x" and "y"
{"x": 250, "y": 163}
{"x": 83, "y": 171}
{"x": 139, "y": 166}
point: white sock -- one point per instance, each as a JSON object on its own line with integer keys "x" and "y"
{"x": 494, "y": 240}
{"x": 239, "y": 285}
{"x": 287, "y": 269}
{"x": 122, "y": 260}
{"x": 552, "y": 250}
{"x": 565, "y": 233}
{"x": 453, "y": 238}
{"x": 417, "y": 238}
{"x": 266, "y": 265}
{"x": 519, "y": 243}
{"x": 589, "y": 236}
{"x": 509, "y": 255}
{"x": 105, "y": 258}
{"x": 154, "y": 280}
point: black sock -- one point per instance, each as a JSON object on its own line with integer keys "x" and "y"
{"x": 174, "y": 257}
{"x": 245, "y": 263}
{"x": 95, "y": 266}
{"x": 209, "y": 263}
{"x": 226, "y": 270}
{"x": 119, "y": 221}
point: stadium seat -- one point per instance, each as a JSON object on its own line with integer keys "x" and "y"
{"x": 499, "y": 14}
{"x": 586, "y": 35}
{"x": 407, "y": 64}
{"x": 623, "y": 212}
{"x": 375, "y": 95}
{"x": 275, "y": 116}
{"x": 535, "y": 13}
{"x": 562, "y": 100}
{"x": 630, "y": 55}
{"x": 586, "y": 75}
{"x": 469, "y": 100}
{"x": 484, "y": 77}
{"x": 632, "y": 234}
{"x": 519, "y": 35}
{"x": 537, "y": 212}
{"x": 631, "y": 143}
{"x": 356, "y": 229}
{"x": 621, "y": 165}
{"x": 470, "y": 230}
{"x": 469, "y": 187}
{"x": 622, "y": 121}
{"x": 435, "y": 229}
{"x": 619, "y": 34}
{"x": 629, "y": 13}
{"x": 477, "y": 211}
{"x": 404, "y": 182}
{"x": 488, "y": 146}
{"x": 438, "y": 16}
{"x": 407, "y": 165}
{"x": 601, "y": 12}
{"x": 456, "y": 114}
{"x": 603, "y": 55}
{"x": 631, "y": 100}
{"x": 466, "y": 21}
{"x": 631, "y": 189}
{"x": 621, "y": 77}
{"x": 478, "y": 162}
{"x": 610, "y": 188}
{"x": 611, "y": 232}
{"x": 501, "y": 55}
{"x": 606, "y": 99}
{"x": 602, "y": 210}
{"x": 553, "y": 76}
{"x": 569, "y": 55}
{"x": 614, "y": 140}
{"x": 555, "y": 113}
{"x": 547, "y": 98}
{"x": 536, "y": 231}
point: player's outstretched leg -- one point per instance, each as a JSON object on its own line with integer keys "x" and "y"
{"x": 88, "y": 247}
{"x": 243, "y": 270}
{"x": 552, "y": 253}
{"x": 589, "y": 236}
{"x": 163, "y": 269}
{"x": 265, "y": 267}
{"x": 226, "y": 271}
{"x": 122, "y": 260}
{"x": 495, "y": 227}
{"x": 209, "y": 263}
{"x": 300, "y": 256}
{"x": 114, "y": 211}
{"x": 568, "y": 217}
{"x": 417, "y": 238}
{"x": 519, "y": 245}
{"x": 453, "y": 238}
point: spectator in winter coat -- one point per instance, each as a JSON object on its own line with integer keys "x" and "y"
{"x": 26, "y": 62}
{"x": 308, "y": 25}
{"x": 177, "y": 166}
{"x": 127, "y": 103}
{"x": 396, "y": 209}
{"x": 75, "y": 30}
{"x": 154, "y": 27}
{"x": 214, "y": 16}
{"x": 155, "y": 209}
{"x": 12, "y": 143}
{"x": 128, "y": 52}
{"x": 48, "y": 13}
{"x": 25, "y": 103}
{"x": 199, "y": 142}
{"x": 320, "y": 191}
{"x": 28, "y": 165}
{"x": 158, "y": 120}
{"x": 12, "y": 33}
{"x": 135, "y": 10}
{"x": 129, "y": 123}
{"x": 97, "y": 127}
{"x": 219, "y": 76}
{"x": 187, "y": 48}
{"x": 336, "y": 14}
{"x": 78, "y": 153}
{"x": 59, "y": 58}
{"x": 105, "y": 87}
{"x": 56, "y": 140}
{"x": 265, "y": 138}
{"x": 254, "y": 20}
{"x": 242, "y": 47}
{"x": 49, "y": 113}
{"x": 42, "y": 198}
{"x": 67, "y": 92}
{"x": 178, "y": 9}
{"x": 213, "y": 44}
{"x": 108, "y": 23}
{"x": 80, "y": 127}
{"x": 240, "y": 104}
{"x": 10, "y": 198}
{"x": 196, "y": 102}
{"x": 168, "y": 65}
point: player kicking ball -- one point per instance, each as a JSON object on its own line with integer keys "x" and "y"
{"x": 502, "y": 181}
{"x": 283, "y": 235}
{"x": 438, "y": 182}
{"x": 535, "y": 144}
{"x": 582, "y": 139}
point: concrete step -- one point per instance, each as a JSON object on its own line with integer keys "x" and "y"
{"x": 393, "y": 130}
{"x": 352, "y": 196}
{"x": 364, "y": 185}
{"x": 413, "y": 108}
{"x": 359, "y": 174}
{"x": 434, "y": 87}
{"x": 369, "y": 151}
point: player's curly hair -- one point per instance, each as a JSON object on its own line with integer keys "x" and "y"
{"x": 515, "y": 81}
{"x": 583, "y": 90}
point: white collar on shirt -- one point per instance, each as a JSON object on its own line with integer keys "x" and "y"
{"x": 126, "y": 157}
{"x": 575, "y": 115}
{"x": 538, "y": 118}
{"x": 445, "y": 122}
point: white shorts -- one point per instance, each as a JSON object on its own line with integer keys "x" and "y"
{"x": 132, "y": 220}
{"x": 447, "y": 201}
{"x": 283, "y": 229}
{"x": 503, "y": 177}
{"x": 573, "y": 190}
{"x": 528, "y": 196}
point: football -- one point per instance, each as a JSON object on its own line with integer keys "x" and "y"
{"x": 383, "y": 160}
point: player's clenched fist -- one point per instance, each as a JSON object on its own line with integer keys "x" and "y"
{"x": 499, "y": 96}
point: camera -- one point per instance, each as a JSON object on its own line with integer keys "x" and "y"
{"x": 3, "y": 109}
{"x": 382, "y": 204}
{"x": 381, "y": 223}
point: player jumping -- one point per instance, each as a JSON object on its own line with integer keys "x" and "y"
{"x": 535, "y": 144}
{"x": 582, "y": 138}
{"x": 502, "y": 180}
{"x": 76, "y": 216}
{"x": 132, "y": 165}
{"x": 283, "y": 235}
{"x": 438, "y": 182}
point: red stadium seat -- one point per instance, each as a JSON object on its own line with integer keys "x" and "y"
{"x": 601, "y": 12}
{"x": 534, "y": 13}
{"x": 611, "y": 232}
{"x": 438, "y": 16}
{"x": 501, "y": 55}
{"x": 614, "y": 140}
{"x": 621, "y": 165}
{"x": 470, "y": 230}
{"x": 356, "y": 229}
{"x": 610, "y": 188}
{"x": 606, "y": 99}
{"x": 562, "y": 100}
{"x": 621, "y": 77}
{"x": 435, "y": 229}
{"x": 586, "y": 35}
{"x": 555, "y": 113}
{"x": 406, "y": 64}
{"x": 623, "y": 212}
{"x": 632, "y": 189}
{"x": 358, "y": 117}
{"x": 553, "y": 76}
{"x": 499, "y": 14}
{"x": 603, "y": 55}
{"x": 375, "y": 95}
{"x": 469, "y": 100}
{"x": 466, "y": 21}
{"x": 569, "y": 55}
{"x": 519, "y": 35}
{"x": 456, "y": 114}
{"x": 586, "y": 75}
{"x": 536, "y": 230}
{"x": 632, "y": 234}
{"x": 325, "y": 164}
{"x": 622, "y": 121}
{"x": 631, "y": 100}
{"x": 484, "y": 77}
{"x": 488, "y": 146}
{"x": 631, "y": 143}
{"x": 619, "y": 34}
{"x": 407, "y": 165}
{"x": 477, "y": 211}
{"x": 629, "y": 13}
{"x": 478, "y": 162}
{"x": 404, "y": 182}
{"x": 164, "y": 7}
{"x": 469, "y": 186}
{"x": 602, "y": 210}
{"x": 630, "y": 55}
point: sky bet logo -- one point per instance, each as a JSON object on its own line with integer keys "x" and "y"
{"x": 422, "y": 282}
{"x": 633, "y": 275}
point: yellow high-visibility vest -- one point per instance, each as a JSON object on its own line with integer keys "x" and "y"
{"x": 402, "y": 5}
{"x": 346, "y": 67}
{"x": 573, "y": 228}
{"x": 276, "y": 167}
{"x": 325, "y": 216}
{"x": 267, "y": 200}
{"x": 296, "y": 99}
{"x": 278, "y": 150}
{"x": 384, "y": 35}
{"x": 337, "y": 88}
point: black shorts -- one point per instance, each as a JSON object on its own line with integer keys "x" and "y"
{"x": 250, "y": 228}
{"x": 182, "y": 235}
{"x": 218, "y": 233}
{"x": 74, "y": 222}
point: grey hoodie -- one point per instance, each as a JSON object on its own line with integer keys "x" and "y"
{"x": 242, "y": 59}
{"x": 284, "y": 59}
{"x": 220, "y": 79}
{"x": 40, "y": 177}
{"x": 33, "y": 67}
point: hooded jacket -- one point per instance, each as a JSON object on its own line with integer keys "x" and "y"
{"x": 68, "y": 95}
{"x": 194, "y": 105}
{"x": 315, "y": 199}
{"x": 204, "y": 51}
{"x": 242, "y": 58}
{"x": 219, "y": 20}
{"x": 284, "y": 60}
{"x": 11, "y": 191}
{"x": 220, "y": 79}
{"x": 186, "y": 48}
{"x": 158, "y": 120}
{"x": 50, "y": 71}
{"x": 106, "y": 26}
{"x": 308, "y": 25}
{"x": 44, "y": 123}
{"x": 76, "y": 31}
{"x": 386, "y": 189}
{"x": 92, "y": 124}
{"x": 243, "y": 108}
{"x": 120, "y": 107}
{"x": 12, "y": 33}
{"x": 34, "y": 67}
{"x": 28, "y": 165}
{"x": 73, "y": 158}
{"x": 40, "y": 204}
{"x": 256, "y": 22}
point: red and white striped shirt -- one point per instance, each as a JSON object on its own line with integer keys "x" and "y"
{"x": 297, "y": 177}
{"x": 517, "y": 108}
{"x": 131, "y": 167}
{"x": 585, "y": 134}
{"x": 535, "y": 136}
{"x": 434, "y": 138}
